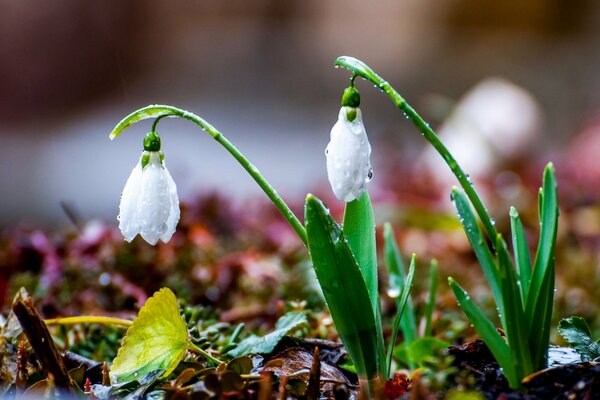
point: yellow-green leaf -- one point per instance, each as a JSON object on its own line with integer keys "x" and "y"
{"x": 157, "y": 340}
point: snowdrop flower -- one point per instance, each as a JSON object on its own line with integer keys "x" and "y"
{"x": 348, "y": 165}
{"x": 149, "y": 203}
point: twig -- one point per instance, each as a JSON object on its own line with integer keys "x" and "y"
{"x": 41, "y": 342}
{"x": 313, "y": 392}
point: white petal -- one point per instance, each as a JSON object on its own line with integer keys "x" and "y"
{"x": 174, "y": 208}
{"x": 348, "y": 152}
{"x": 129, "y": 206}
{"x": 154, "y": 200}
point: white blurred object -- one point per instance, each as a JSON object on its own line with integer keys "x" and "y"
{"x": 494, "y": 123}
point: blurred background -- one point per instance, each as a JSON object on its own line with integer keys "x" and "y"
{"x": 262, "y": 73}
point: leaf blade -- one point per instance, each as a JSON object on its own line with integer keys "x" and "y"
{"x": 487, "y": 331}
{"x": 157, "y": 339}
{"x": 344, "y": 288}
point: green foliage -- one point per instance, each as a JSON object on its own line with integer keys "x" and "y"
{"x": 157, "y": 340}
{"x": 524, "y": 299}
{"x": 578, "y": 334}
{"x": 344, "y": 289}
{"x": 265, "y": 344}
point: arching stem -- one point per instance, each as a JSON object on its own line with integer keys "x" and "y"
{"x": 358, "y": 68}
{"x": 162, "y": 111}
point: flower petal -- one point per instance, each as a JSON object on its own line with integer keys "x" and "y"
{"x": 348, "y": 152}
{"x": 174, "y": 208}
{"x": 129, "y": 206}
{"x": 154, "y": 200}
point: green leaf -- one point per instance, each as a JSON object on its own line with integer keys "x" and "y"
{"x": 540, "y": 297}
{"x": 521, "y": 249}
{"x": 515, "y": 325}
{"x": 266, "y": 344}
{"x": 359, "y": 229}
{"x": 425, "y": 348}
{"x": 397, "y": 272}
{"x": 344, "y": 288}
{"x": 400, "y": 311}
{"x": 487, "y": 331}
{"x": 477, "y": 240}
{"x": 157, "y": 340}
{"x": 578, "y": 334}
{"x": 430, "y": 305}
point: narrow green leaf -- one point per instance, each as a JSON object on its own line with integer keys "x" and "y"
{"x": 344, "y": 288}
{"x": 577, "y": 333}
{"x": 521, "y": 249}
{"x": 487, "y": 331}
{"x": 400, "y": 310}
{"x": 157, "y": 340}
{"x": 266, "y": 344}
{"x": 540, "y": 297}
{"x": 480, "y": 247}
{"x": 515, "y": 325}
{"x": 431, "y": 298}
{"x": 397, "y": 272}
{"x": 359, "y": 229}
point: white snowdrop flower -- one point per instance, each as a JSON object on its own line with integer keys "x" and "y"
{"x": 348, "y": 152}
{"x": 149, "y": 203}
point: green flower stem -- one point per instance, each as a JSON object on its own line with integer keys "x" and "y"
{"x": 161, "y": 111}
{"x": 195, "y": 349}
{"x": 89, "y": 320}
{"x": 359, "y": 68}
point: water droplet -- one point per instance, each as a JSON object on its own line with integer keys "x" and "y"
{"x": 135, "y": 374}
{"x": 393, "y": 292}
{"x": 369, "y": 175}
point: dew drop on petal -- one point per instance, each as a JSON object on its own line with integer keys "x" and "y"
{"x": 369, "y": 175}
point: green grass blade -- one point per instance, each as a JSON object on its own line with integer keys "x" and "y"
{"x": 344, "y": 288}
{"x": 359, "y": 229}
{"x": 521, "y": 249}
{"x": 400, "y": 311}
{"x": 477, "y": 240}
{"x": 430, "y": 306}
{"x": 540, "y": 296}
{"x": 397, "y": 272}
{"x": 515, "y": 325}
{"x": 487, "y": 331}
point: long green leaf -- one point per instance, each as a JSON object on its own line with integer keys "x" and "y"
{"x": 540, "y": 296}
{"x": 344, "y": 288}
{"x": 430, "y": 306}
{"x": 515, "y": 325}
{"x": 400, "y": 311}
{"x": 522, "y": 257}
{"x": 487, "y": 331}
{"x": 397, "y": 282}
{"x": 477, "y": 240}
{"x": 359, "y": 229}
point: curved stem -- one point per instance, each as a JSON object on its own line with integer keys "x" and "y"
{"x": 358, "y": 68}
{"x": 91, "y": 319}
{"x": 161, "y": 111}
{"x": 193, "y": 348}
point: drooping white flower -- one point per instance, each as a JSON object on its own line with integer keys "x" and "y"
{"x": 149, "y": 203}
{"x": 348, "y": 156}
